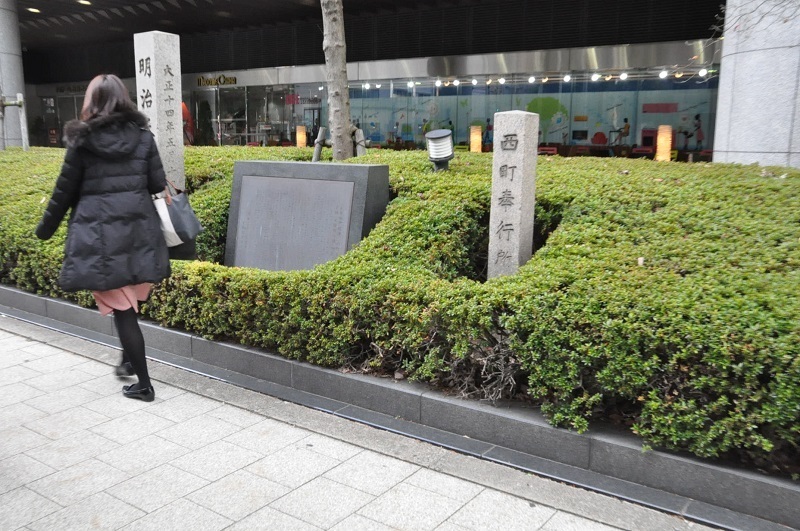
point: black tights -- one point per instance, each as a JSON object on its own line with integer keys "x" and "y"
{"x": 130, "y": 335}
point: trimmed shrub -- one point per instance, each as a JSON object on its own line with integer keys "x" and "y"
{"x": 662, "y": 296}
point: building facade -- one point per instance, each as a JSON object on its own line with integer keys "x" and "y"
{"x": 399, "y": 100}
{"x": 591, "y": 70}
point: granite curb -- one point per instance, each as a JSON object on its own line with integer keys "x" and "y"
{"x": 510, "y": 434}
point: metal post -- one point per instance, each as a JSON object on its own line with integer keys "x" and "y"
{"x": 23, "y": 122}
{"x": 361, "y": 145}
{"x": 318, "y": 143}
{"x": 2, "y": 123}
{"x": 20, "y": 102}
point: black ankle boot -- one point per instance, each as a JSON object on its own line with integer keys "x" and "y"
{"x": 124, "y": 369}
{"x": 145, "y": 394}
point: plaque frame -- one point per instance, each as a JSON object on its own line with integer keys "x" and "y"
{"x": 371, "y": 195}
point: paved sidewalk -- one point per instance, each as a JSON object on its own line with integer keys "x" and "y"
{"x": 206, "y": 455}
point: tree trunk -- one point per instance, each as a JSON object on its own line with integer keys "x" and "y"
{"x": 333, "y": 44}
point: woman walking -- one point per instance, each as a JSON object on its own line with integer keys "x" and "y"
{"x": 114, "y": 244}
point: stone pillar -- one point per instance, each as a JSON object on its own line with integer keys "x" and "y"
{"x": 516, "y": 137}
{"x": 158, "y": 93}
{"x": 758, "y": 107}
{"x": 11, "y": 78}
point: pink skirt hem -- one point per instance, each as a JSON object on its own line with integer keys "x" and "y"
{"x": 122, "y": 298}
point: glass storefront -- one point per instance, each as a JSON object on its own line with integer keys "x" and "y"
{"x": 621, "y": 105}
{"x": 580, "y": 111}
{"x": 251, "y": 115}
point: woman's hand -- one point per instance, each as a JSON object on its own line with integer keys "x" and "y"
{"x": 167, "y": 196}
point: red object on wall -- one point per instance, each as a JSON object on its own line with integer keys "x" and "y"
{"x": 659, "y": 107}
{"x": 188, "y": 125}
{"x": 292, "y": 99}
{"x": 637, "y": 150}
{"x": 649, "y": 137}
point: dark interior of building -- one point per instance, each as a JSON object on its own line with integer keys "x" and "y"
{"x": 69, "y": 41}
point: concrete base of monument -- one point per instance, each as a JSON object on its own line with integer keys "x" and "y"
{"x": 602, "y": 460}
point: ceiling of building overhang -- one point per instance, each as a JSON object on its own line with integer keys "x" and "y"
{"x": 60, "y": 22}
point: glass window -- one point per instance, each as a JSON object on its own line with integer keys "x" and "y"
{"x": 232, "y": 115}
{"x": 603, "y": 110}
{"x": 68, "y": 108}
{"x": 257, "y": 115}
{"x": 204, "y": 109}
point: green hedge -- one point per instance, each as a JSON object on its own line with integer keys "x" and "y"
{"x": 695, "y": 349}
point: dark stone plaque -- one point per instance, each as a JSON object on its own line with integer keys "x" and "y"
{"x": 296, "y": 215}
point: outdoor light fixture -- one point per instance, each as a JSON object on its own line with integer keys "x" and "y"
{"x": 567, "y": 78}
{"x": 531, "y": 79}
{"x": 85, "y": 2}
{"x": 608, "y": 77}
{"x": 321, "y": 88}
{"x": 33, "y": 10}
{"x": 703, "y": 72}
{"x": 438, "y": 83}
{"x": 595, "y": 77}
{"x": 623, "y": 76}
{"x": 489, "y": 81}
{"x": 475, "y": 138}
{"x": 502, "y": 81}
{"x": 300, "y": 133}
{"x": 377, "y": 85}
{"x": 474, "y": 81}
{"x": 545, "y": 79}
{"x": 410, "y": 84}
{"x": 456, "y": 82}
{"x": 664, "y": 142}
{"x": 663, "y": 74}
{"x": 366, "y": 86}
{"x": 678, "y": 75}
{"x": 440, "y": 148}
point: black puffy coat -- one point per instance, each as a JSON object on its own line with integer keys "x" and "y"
{"x": 114, "y": 234}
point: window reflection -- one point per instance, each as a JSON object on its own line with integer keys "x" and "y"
{"x": 398, "y": 112}
{"x": 232, "y": 116}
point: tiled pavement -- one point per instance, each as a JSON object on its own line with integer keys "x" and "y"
{"x": 205, "y": 455}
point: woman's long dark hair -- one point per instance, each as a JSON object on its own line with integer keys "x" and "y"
{"x": 106, "y": 94}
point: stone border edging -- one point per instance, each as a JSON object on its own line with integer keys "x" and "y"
{"x": 518, "y": 436}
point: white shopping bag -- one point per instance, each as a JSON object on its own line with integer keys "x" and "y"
{"x": 167, "y": 228}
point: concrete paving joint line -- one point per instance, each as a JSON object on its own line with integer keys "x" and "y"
{"x": 602, "y": 460}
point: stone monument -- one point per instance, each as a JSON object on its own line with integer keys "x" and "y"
{"x": 158, "y": 95}
{"x": 516, "y": 138}
{"x": 295, "y": 215}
